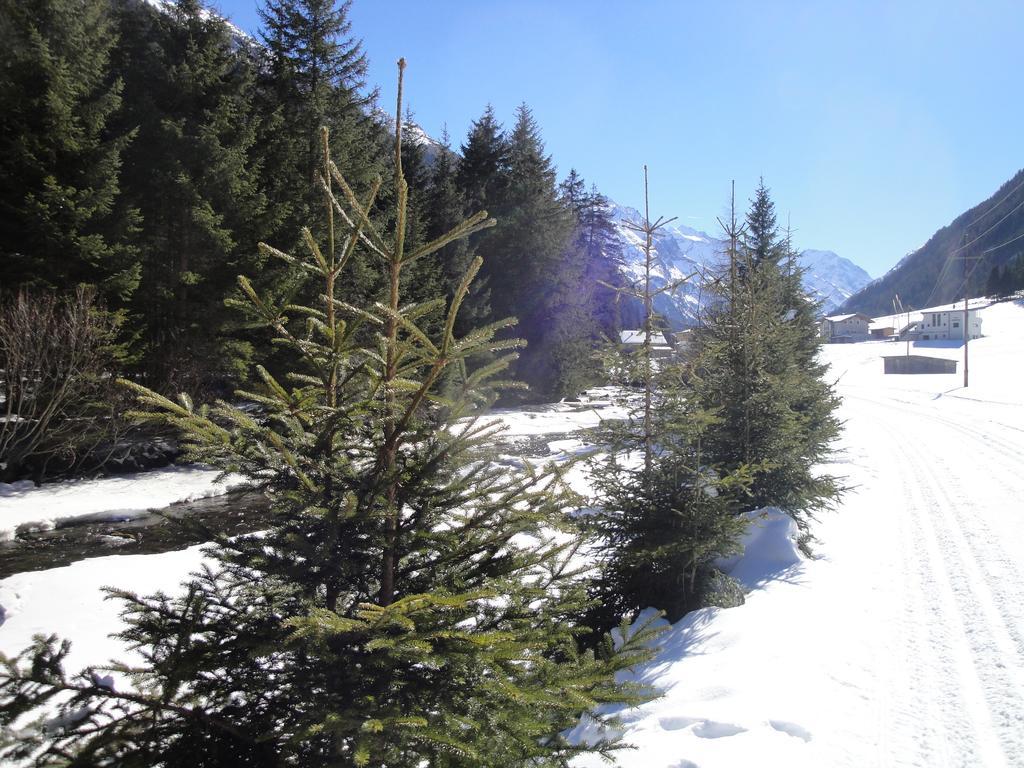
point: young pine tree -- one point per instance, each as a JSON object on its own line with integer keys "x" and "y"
{"x": 758, "y": 371}
{"x": 667, "y": 510}
{"x": 412, "y": 605}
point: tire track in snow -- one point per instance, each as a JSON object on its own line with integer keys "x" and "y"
{"x": 996, "y": 642}
{"x": 950, "y": 582}
{"x": 1000, "y": 462}
{"x": 925, "y": 726}
{"x": 908, "y": 726}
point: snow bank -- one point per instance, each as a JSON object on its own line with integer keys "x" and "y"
{"x": 560, "y": 418}
{"x": 769, "y": 549}
{"x": 69, "y": 602}
{"x": 725, "y": 674}
{"x": 109, "y": 498}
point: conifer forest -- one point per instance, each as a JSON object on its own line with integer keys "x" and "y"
{"x": 224, "y": 253}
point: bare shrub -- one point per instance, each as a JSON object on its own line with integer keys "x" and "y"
{"x": 59, "y": 402}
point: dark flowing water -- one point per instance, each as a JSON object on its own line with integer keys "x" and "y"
{"x": 183, "y": 524}
{"x": 175, "y": 527}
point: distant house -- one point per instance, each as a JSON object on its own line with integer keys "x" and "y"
{"x": 947, "y": 323}
{"x": 882, "y": 330}
{"x": 845, "y": 328}
{"x": 634, "y": 339}
{"x": 683, "y": 338}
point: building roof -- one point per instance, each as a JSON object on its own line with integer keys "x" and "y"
{"x": 840, "y": 318}
{"x": 971, "y": 308}
{"x": 902, "y": 318}
{"x": 636, "y": 338}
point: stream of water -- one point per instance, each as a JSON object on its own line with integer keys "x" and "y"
{"x": 174, "y": 527}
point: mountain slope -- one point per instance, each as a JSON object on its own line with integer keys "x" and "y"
{"x": 934, "y": 275}
{"x": 830, "y": 278}
{"x": 682, "y": 251}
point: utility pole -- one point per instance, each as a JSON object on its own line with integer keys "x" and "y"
{"x": 898, "y": 309}
{"x": 732, "y": 255}
{"x": 967, "y": 334}
{"x": 967, "y": 275}
{"x": 648, "y": 327}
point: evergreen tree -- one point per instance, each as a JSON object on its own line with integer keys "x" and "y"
{"x": 481, "y": 178}
{"x": 483, "y": 166}
{"x": 758, "y": 370}
{"x": 444, "y": 207}
{"x": 190, "y": 92}
{"x": 411, "y": 605}
{"x": 524, "y": 253}
{"x": 1000, "y": 280}
{"x": 604, "y": 260}
{"x": 1014, "y": 274}
{"x": 761, "y": 235}
{"x": 582, "y": 310}
{"x": 62, "y": 218}
{"x": 530, "y": 254}
{"x": 314, "y": 74}
{"x": 666, "y": 509}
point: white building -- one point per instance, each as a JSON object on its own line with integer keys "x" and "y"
{"x": 947, "y": 323}
{"x": 634, "y": 339}
{"x": 840, "y": 328}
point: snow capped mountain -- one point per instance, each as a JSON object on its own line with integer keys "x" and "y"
{"x": 411, "y": 133}
{"x": 831, "y": 278}
{"x": 682, "y": 251}
{"x": 241, "y": 37}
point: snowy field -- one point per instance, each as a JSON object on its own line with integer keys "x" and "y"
{"x": 24, "y": 506}
{"x": 900, "y": 644}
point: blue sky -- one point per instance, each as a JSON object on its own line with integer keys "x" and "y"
{"x": 874, "y": 123}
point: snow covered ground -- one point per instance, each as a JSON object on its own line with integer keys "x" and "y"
{"x": 111, "y": 498}
{"x": 900, "y": 644}
{"x": 69, "y": 602}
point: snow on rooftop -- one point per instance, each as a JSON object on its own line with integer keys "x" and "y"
{"x": 841, "y": 318}
{"x": 634, "y": 337}
{"x": 901, "y": 319}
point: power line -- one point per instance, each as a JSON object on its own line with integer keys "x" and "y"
{"x": 949, "y": 258}
{"x": 995, "y": 205}
{"x": 997, "y": 247}
{"x": 938, "y": 281}
{"x": 982, "y": 259}
{"x": 1008, "y": 215}
{"x": 963, "y": 284}
{"x": 978, "y": 261}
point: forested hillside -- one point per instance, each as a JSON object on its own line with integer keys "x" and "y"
{"x": 981, "y": 249}
{"x": 150, "y": 148}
